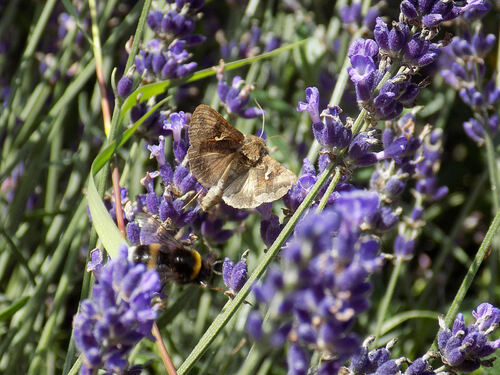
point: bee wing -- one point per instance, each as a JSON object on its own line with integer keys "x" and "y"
{"x": 153, "y": 230}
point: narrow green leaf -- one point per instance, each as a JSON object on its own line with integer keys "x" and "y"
{"x": 399, "y": 319}
{"x": 105, "y": 227}
{"x": 69, "y": 7}
{"x": 12, "y": 309}
{"x": 19, "y": 256}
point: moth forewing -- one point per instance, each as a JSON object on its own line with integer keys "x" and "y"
{"x": 232, "y": 166}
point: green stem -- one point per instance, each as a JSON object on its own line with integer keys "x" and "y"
{"x": 401, "y": 318}
{"x": 34, "y": 38}
{"x": 329, "y": 190}
{"x": 231, "y": 307}
{"x": 252, "y": 360}
{"x": 138, "y": 34}
{"x": 60, "y": 298}
{"x": 471, "y": 273}
{"x": 495, "y": 191}
{"x": 389, "y": 292}
{"x": 493, "y": 170}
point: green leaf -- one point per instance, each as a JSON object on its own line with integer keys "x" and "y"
{"x": 69, "y": 7}
{"x": 399, "y": 319}
{"x": 105, "y": 227}
{"x": 12, "y": 309}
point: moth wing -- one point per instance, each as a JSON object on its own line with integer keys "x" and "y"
{"x": 208, "y": 125}
{"x": 208, "y": 166}
{"x": 268, "y": 181}
{"x": 214, "y": 143}
{"x": 155, "y": 231}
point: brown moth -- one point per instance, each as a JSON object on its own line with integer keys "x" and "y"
{"x": 233, "y": 166}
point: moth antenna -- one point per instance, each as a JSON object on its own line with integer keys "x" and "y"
{"x": 263, "y": 117}
{"x": 192, "y": 199}
{"x": 277, "y": 136}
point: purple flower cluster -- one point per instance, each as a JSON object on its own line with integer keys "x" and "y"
{"x": 165, "y": 56}
{"x": 159, "y": 61}
{"x": 236, "y": 97}
{"x": 352, "y": 18}
{"x": 334, "y": 136}
{"x": 331, "y": 133}
{"x": 378, "y": 361}
{"x": 178, "y": 22}
{"x": 314, "y": 298}
{"x": 369, "y": 62}
{"x": 307, "y": 179}
{"x": 235, "y": 275}
{"x": 118, "y": 315}
{"x": 408, "y": 158}
{"x": 250, "y": 44}
{"x": 467, "y": 75}
{"x": 270, "y": 226}
{"x": 463, "y": 348}
{"x": 399, "y": 47}
{"x": 432, "y": 13}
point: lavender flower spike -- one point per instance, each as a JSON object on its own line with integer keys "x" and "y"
{"x": 236, "y": 97}
{"x": 118, "y": 315}
{"x": 235, "y": 275}
{"x": 463, "y": 348}
{"x": 311, "y": 104}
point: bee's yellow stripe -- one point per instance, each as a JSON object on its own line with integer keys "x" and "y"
{"x": 154, "y": 250}
{"x": 197, "y": 265}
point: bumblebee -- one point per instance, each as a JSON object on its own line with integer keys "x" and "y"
{"x": 172, "y": 258}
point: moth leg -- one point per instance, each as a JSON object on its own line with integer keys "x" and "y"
{"x": 214, "y": 194}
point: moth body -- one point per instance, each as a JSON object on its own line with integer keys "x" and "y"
{"x": 233, "y": 167}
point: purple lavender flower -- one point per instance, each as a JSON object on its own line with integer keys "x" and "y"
{"x": 464, "y": 347}
{"x": 393, "y": 96}
{"x": 305, "y": 182}
{"x": 420, "y": 52}
{"x": 359, "y": 149}
{"x": 433, "y": 12}
{"x": 235, "y": 275}
{"x": 126, "y": 84}
{"x": 118, "y": 315}
{"x": 326, "y": 264}
{"x": 330, "y": 133}
{"x": 236, "y": 97}
{"x": 391, "y": 42}
{"x": 165, "y": 56}
{"x": 408, "y": 44}
{"x": 270, "y": 226}
{"x": 174, "y": 125}
{"x": 311, "y": 104}
{"x": 467, "y": 76}
{"x": 362, "y": 73}
{"x": 351, "y": 14}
